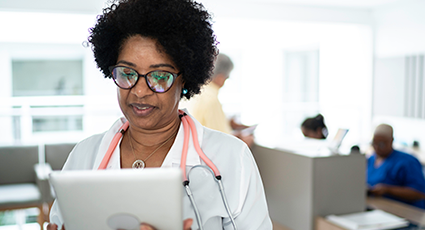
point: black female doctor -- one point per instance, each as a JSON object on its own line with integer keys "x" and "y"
{"x": 156, "y": 52}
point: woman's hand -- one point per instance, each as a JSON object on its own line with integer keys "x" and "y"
{"x": 52, "y": 226}
{"x": 186, "y": 225}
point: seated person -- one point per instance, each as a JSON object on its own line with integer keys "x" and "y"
{"x": 315, "y": 127}
{"x": 394, "y": 174}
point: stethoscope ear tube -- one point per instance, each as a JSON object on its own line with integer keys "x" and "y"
{"x": 226, "y": 204}
{"x": 222, "y": 193}
{"x": 192, "y": 201}
{"x": 185, "y": 144}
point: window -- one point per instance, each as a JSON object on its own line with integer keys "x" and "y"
{"x": 301, "y": 80}
{"x": 47, "y": 77}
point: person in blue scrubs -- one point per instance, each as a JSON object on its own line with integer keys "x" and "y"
{"x": 392, "y": 173}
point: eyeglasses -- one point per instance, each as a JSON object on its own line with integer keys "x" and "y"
{"x": 159, "y": 81}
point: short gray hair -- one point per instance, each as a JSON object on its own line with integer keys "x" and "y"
{"x": 223, "y": 65}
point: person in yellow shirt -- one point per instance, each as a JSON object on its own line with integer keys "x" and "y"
{"x": 206, "y": 107}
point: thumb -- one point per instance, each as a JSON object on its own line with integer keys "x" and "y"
{"x": 145, "y": 226}
{"x": 187, "y": 224}
{"x": 52, "y": 226}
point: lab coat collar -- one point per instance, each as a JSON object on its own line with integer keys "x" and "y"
{"x": 174, "y": 155}
{"x": 106, "y": 141}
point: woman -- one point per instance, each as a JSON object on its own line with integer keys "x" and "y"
{"x": 158, "y": 51}
{"x": 315, "y": 127}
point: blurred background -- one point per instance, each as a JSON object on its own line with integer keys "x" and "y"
{"x": 357, "y": 62}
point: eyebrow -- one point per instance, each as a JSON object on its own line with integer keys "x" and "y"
{"x": 162, "y": 65}
{"x": 152, "y": 66}
{"x": 127, "y": 63}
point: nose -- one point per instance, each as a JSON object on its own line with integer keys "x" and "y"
{"x": 141, "y": 89}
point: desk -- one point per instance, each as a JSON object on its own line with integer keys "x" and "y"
{"x": 412, "y": 214}
{"x": 300, "y": 187}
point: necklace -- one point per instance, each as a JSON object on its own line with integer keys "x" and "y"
{"x": 140, "y": 164}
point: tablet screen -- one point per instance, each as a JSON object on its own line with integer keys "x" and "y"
{"x": 119, "y": 199}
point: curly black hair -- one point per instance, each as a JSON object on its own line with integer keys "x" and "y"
{"x": 314, "y": 123}
{"x": 183, "y": 29}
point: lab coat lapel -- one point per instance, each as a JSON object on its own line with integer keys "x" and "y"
{"x": 106, "y": 141}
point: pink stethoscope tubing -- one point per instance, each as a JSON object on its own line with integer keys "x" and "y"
{"x": 113, "y": 145}
{"x": 188, "y": 125}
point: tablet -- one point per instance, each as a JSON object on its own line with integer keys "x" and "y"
{"x": 336, "y": 142}
{"x": 119, "y": 199}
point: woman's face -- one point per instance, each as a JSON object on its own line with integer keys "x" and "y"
{"x": 141, "y": 106}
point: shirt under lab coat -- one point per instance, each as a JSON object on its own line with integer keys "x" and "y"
{"x": 240, "y": 177}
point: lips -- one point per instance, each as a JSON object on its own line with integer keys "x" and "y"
{"x": 142, "y": 109}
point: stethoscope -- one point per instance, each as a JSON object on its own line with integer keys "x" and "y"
{"x": 188, "y": 125}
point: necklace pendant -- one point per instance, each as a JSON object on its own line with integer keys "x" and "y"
{"x": 138, "y": 164}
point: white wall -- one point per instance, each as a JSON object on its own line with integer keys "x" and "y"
{"x": 400, "y": 31}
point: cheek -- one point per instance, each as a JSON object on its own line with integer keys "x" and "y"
{"x": 178, "y": 91}
{"x": 121, "y": 96}
{"x": 176, "y": 97}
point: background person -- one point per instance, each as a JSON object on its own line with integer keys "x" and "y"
{"x": 392, "y": 173}
{"x": 315, "y": 127}
{"x": 158, "y": 51}
{"x": 207, "y": 109}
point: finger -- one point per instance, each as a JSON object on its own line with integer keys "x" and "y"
{"x": 187, "y": 224}
{"x": 63, "y": 227}
{"x": 52, "y": 226}
{"x": 145, "y": 226}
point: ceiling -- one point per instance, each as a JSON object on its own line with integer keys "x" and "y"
{"x": 94, "y": 6}
{"x": 360, "y": 4}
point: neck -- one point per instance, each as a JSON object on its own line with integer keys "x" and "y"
{"x": 217, "y": 81}
{"x": 153, "y": 138}
{"x": 383, "y": 157}
{"x": 140, "y": 144}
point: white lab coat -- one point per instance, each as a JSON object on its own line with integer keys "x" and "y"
{"x": 240, "y": 177}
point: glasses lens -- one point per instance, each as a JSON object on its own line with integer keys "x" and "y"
{"x": 160, "y": 81}
{"x": 124, "y": 77}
